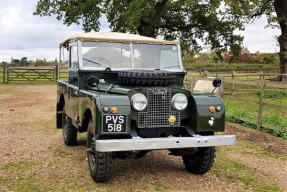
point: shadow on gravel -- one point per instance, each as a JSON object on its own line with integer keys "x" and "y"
{"x": 81, "y": 142}
{"x": 154, "y": 163}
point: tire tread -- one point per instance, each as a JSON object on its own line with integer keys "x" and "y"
{"x": 200, "y": 162}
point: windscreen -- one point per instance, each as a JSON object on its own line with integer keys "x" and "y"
{"x": 119, "y": 55}
{"x": 156, "y": 56}
{"x": 103, "y": 54}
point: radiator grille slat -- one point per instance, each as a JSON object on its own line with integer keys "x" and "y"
{"x": 158, "y": 110}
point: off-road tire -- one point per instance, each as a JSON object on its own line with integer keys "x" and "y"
{"x": 69, "y": 131}
{"x": 200, "y": 162}
{"x": 100, "y": 163}
{"x": 147, "y": 78}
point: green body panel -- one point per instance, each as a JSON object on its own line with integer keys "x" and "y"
{"x": 201, "y": 114}
{"x": 79, "y": 98}
{"x": 114, "y": 100}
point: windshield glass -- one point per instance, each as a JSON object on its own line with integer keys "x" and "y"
{"x": 103, "y": 54}
{"x": 119, "y": 55}
{"x": 155, "y": 56}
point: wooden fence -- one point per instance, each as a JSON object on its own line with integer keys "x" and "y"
{"x": 260, "y": 84}
{"x": 1, "y": 74}
{"x": 16, "y": 74}
{"x": 31, "y": 75}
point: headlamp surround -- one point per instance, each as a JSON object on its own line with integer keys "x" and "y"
{"x": 179, "y": 101}
{"x": 139, "y": 101}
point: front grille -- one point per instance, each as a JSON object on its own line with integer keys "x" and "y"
{"x": 158, "y": 110}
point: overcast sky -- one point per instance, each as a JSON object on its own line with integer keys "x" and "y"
{"x": 24, "y": 35}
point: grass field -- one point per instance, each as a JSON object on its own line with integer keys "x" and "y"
{"x": 245, "y": 103}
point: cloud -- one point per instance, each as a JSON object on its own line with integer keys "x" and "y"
{"x": 24, "y": 34}
{"x": 259, "y": 38}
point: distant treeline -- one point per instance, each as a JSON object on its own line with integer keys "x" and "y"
{"x": 225, "y": 61}
{"x": 227, "y": 57}
{"x": 24, "y": 62}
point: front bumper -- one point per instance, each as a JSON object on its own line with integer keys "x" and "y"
{"x": 138, "y": 143}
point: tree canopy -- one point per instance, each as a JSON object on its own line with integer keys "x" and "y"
{"x": 212, "y": 22}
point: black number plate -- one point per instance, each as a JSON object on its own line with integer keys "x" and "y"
{"x": 115, "y": 123}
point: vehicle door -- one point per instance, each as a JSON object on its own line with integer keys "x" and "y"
{"x": 73, "y": 79}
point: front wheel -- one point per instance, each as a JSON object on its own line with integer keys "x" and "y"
{"x": 100, "y": 163}
{"x": 200, "y": 162}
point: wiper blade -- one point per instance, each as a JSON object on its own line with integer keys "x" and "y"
{"x": 107, "y": 67}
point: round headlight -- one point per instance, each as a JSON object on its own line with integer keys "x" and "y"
{"x": 139, "y": 102}
{"x": 179, "y": 101}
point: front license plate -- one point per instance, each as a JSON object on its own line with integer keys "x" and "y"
{"x": 115, "y": 123}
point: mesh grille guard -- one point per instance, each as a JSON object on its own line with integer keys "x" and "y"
{"x": 158, "y": 110}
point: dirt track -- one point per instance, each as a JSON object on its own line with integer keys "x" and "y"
{"x": 34, "y": 158}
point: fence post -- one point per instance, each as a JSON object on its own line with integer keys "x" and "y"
{"x": 221, "y": 88}
{"x": 260, "y": 110}
{"x": 192, "y": 83}
{"x": 7, "y": 80}
{"x": 4, "y": 73}
{"x": 54, "y": 74}
{"x": 261, "y": 76}
{"x": 233, "y": 86}
{"x": 57, "y": 72}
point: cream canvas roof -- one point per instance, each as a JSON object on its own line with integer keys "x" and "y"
{"x": 116, "y": 37}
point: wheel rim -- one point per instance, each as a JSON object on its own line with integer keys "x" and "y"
{"x": 91, "y": 154}
{"x": 65, "y": 126}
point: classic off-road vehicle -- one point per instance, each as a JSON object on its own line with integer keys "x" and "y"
{"x": 126, "y": 91}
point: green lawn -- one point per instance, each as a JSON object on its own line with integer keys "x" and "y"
{"x": 271, "y": 115}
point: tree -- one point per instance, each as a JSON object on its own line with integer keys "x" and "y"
{"x": 276, "y": 12}
{"x": 24, "y": 61}
{"x": 245, "y": 56}
{"x": 267, "y": 58}
{"x": 189, "y": 21}
{"x": 40, "y": 62}
{"x": 211, "y": 21}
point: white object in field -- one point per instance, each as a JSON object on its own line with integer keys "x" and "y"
{"x": 204, "y": 86}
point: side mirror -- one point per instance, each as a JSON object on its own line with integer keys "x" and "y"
{"x": 216, "y": 82}
{"x": 93, "y": 81}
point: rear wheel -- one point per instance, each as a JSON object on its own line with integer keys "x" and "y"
{"x": 200, "y": 162}
{"x": 69, "y": 131}
{"x": 100, "y": 163}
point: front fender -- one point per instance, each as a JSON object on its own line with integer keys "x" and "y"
{"x": 121, "y": 102}
{"x": 203, "y": 119}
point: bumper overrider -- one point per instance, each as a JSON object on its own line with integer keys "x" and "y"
{"x": 138, "y": 143}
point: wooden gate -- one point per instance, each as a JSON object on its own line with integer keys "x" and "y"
{"x": 16, "y": 74}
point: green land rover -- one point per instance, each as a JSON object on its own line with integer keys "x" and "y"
{"x": 126, "y": 91}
